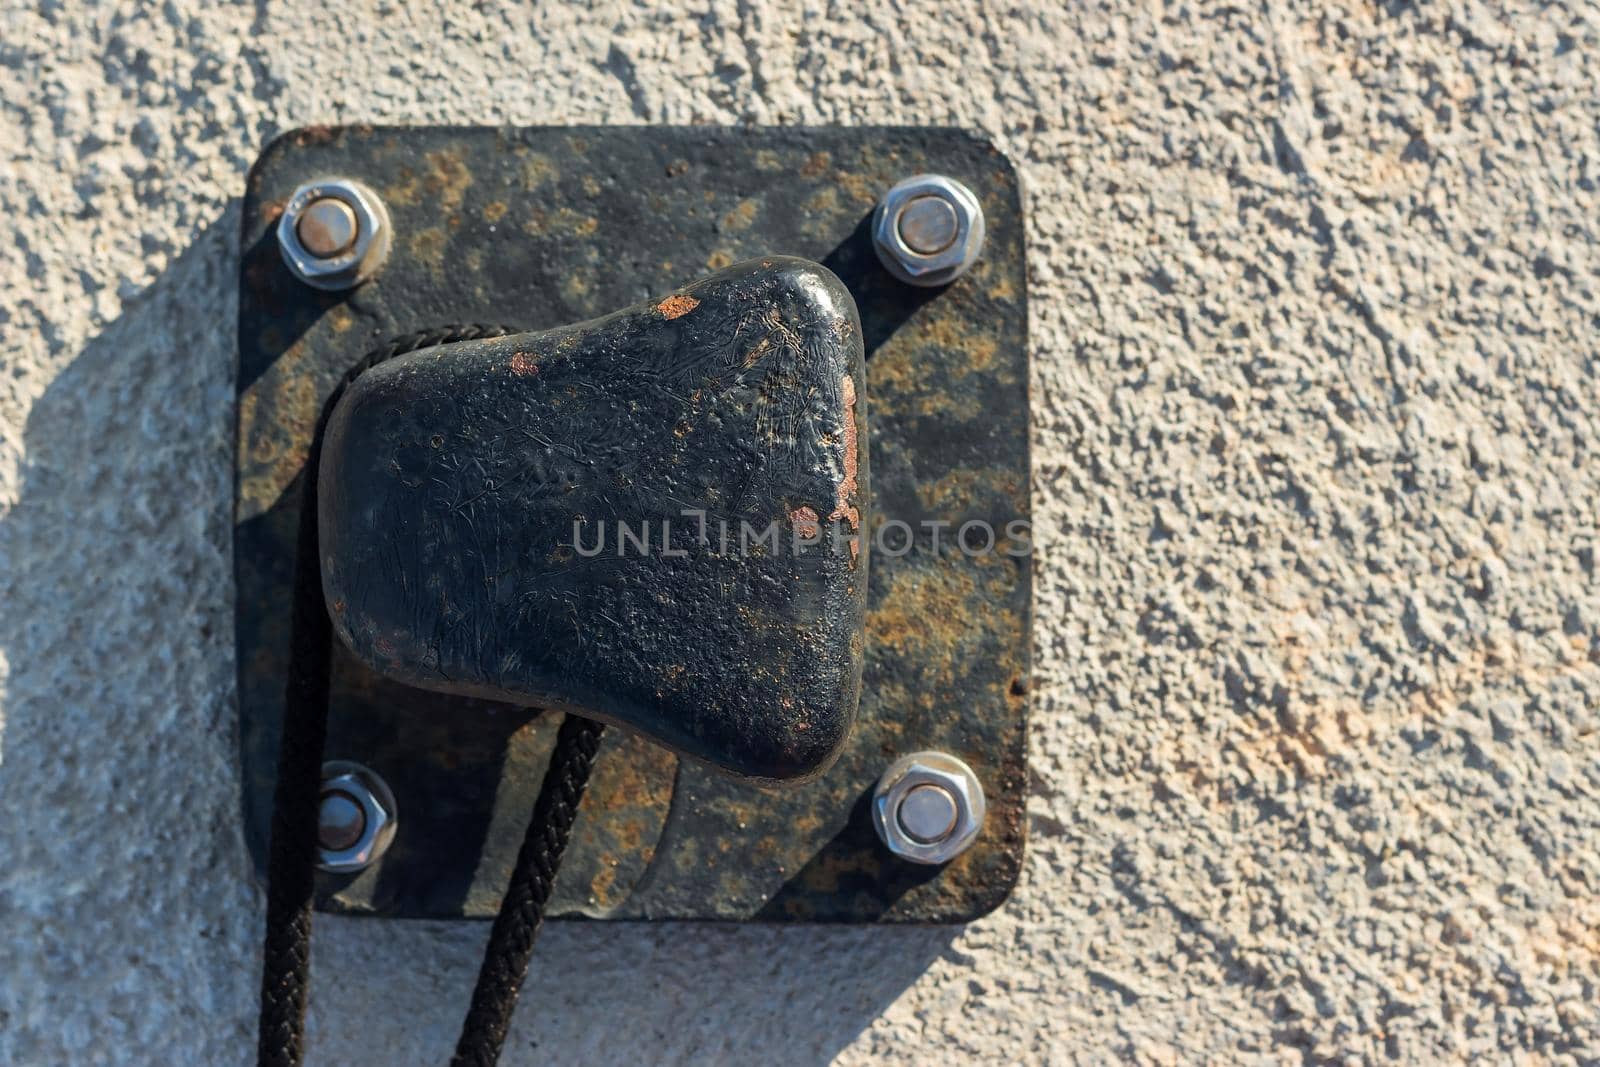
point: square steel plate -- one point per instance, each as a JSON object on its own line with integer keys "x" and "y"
{"x": 539, "y": 227}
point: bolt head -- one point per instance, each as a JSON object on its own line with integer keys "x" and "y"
{"x": 327, "y": 227}
{"x": 356, "y": 818}
{"x": 928, "y": 807}
{"x": 341, "y": 820}
{"x": 334, "y": 233}
{"x": 928, "y": 225}
{"x": 928, "y": 230}
{"x": 928, "y": 813}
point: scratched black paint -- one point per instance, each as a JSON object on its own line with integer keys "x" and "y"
{"x": 698, "y": 438}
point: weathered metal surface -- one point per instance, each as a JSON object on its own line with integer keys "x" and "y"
{"x": 542, "y": 227}
{"x": 621, "y": 518}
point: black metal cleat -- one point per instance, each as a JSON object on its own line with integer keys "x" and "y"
{"x": 653, "y": 518}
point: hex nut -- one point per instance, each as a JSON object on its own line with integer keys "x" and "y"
{"x": 341, "y": 847}
{"x": 909, "y": 775}
{"x": 928, "y": 230}
{"x": 351, "y": 261}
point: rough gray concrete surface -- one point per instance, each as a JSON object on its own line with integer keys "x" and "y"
{"x": 1315, "y": 319}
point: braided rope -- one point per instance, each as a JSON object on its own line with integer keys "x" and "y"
{"x": 292, "y": 854}
{"x": 516, "y": 927}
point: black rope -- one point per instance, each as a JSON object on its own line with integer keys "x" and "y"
{"x": 292, "y": 854}
{"x": 516, "y": 927}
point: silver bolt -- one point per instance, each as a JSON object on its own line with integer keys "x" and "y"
{"x": 327, "y": 227}
{"x": 356, "y": 818}
{"x": 334, "y": 233}
{"x": 928, "y": 225}
{"x": 928, "y": 807}
{"x": 341, "y": 820}
{"x": 928, "y": 230}
{"x": 928, "y": 813}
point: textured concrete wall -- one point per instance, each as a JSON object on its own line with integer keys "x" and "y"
{"x": 1315, "y": 329}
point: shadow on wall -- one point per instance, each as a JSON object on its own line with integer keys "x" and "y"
{"x": 133, "y": 920}
{"x": 387, "y": 991}
{"x": 122, "y": 880}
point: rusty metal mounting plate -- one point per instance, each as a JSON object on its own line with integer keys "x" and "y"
{"x": 538, "y": 227}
